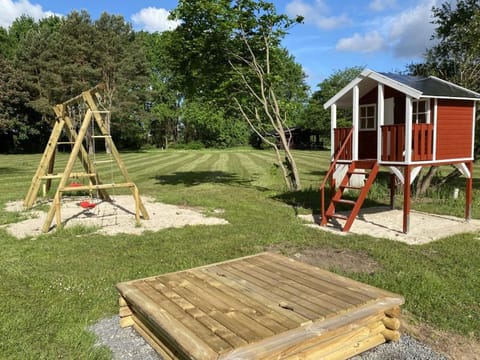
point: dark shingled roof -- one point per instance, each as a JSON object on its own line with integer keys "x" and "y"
{"x": 432, "y": 86}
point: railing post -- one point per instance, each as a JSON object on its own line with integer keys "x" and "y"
{"x": 408, "y": 129}
{"x": 355, "y": 121}
{"x": 381, "y": 120}
{"x": 333, "y": 125}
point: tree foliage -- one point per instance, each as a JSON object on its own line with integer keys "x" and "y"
{"x": 314, "y": 116}
{"x": 161, "y": 88}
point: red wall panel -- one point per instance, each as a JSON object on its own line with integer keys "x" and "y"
{"x": 454, "y": 129}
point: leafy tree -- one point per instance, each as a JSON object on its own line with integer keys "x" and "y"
{"x": 231, "y": 50}
{"x": 314, "y": 116}
{"x": 14, "y": 115}
{"x": 455, "y": 56}
{"x": 124, "y": 71}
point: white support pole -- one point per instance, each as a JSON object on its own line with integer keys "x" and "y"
{"x": 355, "y": 121}
{"x": 434, "y": 138}
{"x": 381, "y": 119}
{"x": 408, "y": 129}
{"x": 333, "y": 125}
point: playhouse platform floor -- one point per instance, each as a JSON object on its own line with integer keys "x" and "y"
{"x": 382, "y": 222}
{"x": 265, "y": 306}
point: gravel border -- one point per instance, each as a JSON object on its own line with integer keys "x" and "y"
{"x": 127, "y": 344}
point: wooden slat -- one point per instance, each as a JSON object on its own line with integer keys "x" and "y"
{"x": 254, "y": 284}
{"x": 350, "y": 292}
{"x": 325, "y": 329}
{"x": 341, "y": 281}
{"x": 229, "y": 288}
{"x": 235, "y": 310}
{"x": 209, "y": 300}
{"x": 291, "y": 296}
{"x": 146, "y": 301}
{"x": 235, "y": 302}
{"x": 339, "y": 298}
{"x": 199, "y": 315}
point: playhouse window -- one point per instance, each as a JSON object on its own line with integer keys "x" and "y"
{"x": 367, "y": 117}
{"x": 420, "y": 112}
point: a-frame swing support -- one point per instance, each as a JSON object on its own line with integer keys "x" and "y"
{"x": 44, "y": 171}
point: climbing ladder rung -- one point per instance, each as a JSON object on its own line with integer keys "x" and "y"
{"x": 101, "y": 136}
{"x": 72, "y": 175}
{"x": 103, "y": 162}
{"x": 345, "y": 201}
{"x": 338, "y": 216}
{"x": 65, "y": 142}
{"x": 356, "y": 205}
{"x": 351, "y": 187}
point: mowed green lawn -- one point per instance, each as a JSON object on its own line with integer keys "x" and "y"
{"x": 54, "y": 286}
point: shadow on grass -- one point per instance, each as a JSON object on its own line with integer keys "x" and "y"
{"x": 192, "y": 178}
{"x": 307, "y": 199}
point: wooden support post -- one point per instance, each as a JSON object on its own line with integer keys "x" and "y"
{"x": 392, "y": 190}
{"x": 468, "y": 192}
{"x": 66, "y": 173}
{"x": 108, "y": 140}
{"x": 44, "y": 164}
{"x": 406, "y": 200}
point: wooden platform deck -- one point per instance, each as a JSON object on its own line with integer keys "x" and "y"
{"x": 265, "y": 306}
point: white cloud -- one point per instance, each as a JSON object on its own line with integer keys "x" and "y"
{"x": 154, "y": 19}
{"x": 10, "y": 10}
{"x": 317, "y": 14}
{"x": 380, "y": 5}
{"x": 410, "y": 31}
{"x": 406, "y": 34}
{"x": 367, "y": 43}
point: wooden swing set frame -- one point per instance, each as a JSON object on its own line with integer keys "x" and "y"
{"x": 64, "y": 123}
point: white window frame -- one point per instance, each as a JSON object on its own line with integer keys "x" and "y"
{"x": 360, "y": 117}
{"x": 415, "y": 103}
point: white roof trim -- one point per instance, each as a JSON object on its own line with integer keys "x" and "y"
{"x": 448, "y": 98}
{"x": 367, "y": 73}
{"x": 345, "y": 90}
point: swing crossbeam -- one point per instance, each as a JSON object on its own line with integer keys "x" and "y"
{"x": 72, "y": 175}
{"x": 96, "y": 187}
{"x": 92, "y": 116}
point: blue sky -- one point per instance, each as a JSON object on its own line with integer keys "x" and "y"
{"x": 383, "y": 35}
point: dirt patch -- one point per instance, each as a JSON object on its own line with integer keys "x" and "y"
{"x": 344, "y": 260}
{"x": 382, "y": 222}
{"x": 453, "y": 345}
{"x": 114, "y": 217}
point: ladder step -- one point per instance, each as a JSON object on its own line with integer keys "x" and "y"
{"x": 337, "y": 216}
{"x": 352, "y": 187}
{"x": 101, "y": 136}
{"x": 103, "y": 162}
{"x": 345, "y": 201}
{"x": 65, "y": 142}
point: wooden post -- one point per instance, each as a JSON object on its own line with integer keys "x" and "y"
{"x": 54, "y": 209}
{"x": 392, "y": 190}
{"x": 406, "y": 200}
{"x": 333, "y": 125}
{"x": 468, "y": 192}
{"x": 355, "y": 121}
{"x": 381, "y": 120}
{"x": 108, "y": 140}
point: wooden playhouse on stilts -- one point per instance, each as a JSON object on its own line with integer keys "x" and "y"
{"x": 82, "y": 120}
{"x": 401, "y": 122}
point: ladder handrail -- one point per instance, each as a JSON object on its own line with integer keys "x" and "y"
{"x": 330, "y": 171}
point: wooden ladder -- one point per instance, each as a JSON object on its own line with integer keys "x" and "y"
{"x": 369, "y": 168}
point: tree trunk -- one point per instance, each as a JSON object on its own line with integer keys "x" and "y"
{"x": 424, "y": 181}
